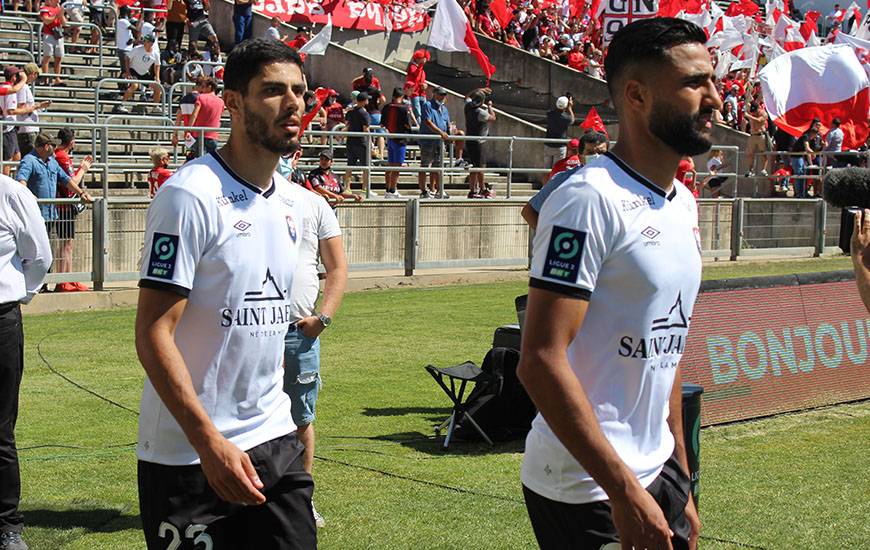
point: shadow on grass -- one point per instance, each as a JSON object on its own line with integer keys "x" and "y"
{"x": 92, "y": 520}
{"x": 435, "y": 414}
{"x": 429, "y": 444}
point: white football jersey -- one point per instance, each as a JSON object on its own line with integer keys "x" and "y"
{"x": 610, "y": 236}
{"x": 232, "y": 250}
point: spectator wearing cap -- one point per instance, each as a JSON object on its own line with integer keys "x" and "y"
{"x": 324, "y": 181}
{"x": 53, "y": 20}
{"x": 435, "y": 121}
{"x": 558, "y": 122}
{"x": 397, "y": 118}
{"x": 144, "y": 64}
{"x": 479, "y": 115}
{"x": 41, "y": 173}
{"x": 358, "y": 120}
{"x": 365, "y": 81}
{"x": 572, "y": 159}
{"x": 415, "y": 82}
{"x": 30, "y": 114}
{"x": 12, "y": 109}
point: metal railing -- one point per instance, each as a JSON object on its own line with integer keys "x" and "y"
{"x": 416, "y": 234}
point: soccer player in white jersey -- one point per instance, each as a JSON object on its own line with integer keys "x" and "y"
{"x": 616, "y": 269}
{"x": 219, "y": 462}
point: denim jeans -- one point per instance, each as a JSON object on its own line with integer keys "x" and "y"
{"x": 799, "y": 168}
{"x": 243, "y": 18}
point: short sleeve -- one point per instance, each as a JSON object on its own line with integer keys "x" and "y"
{"x": 327, "y": 226}
{"x": 176, "y": 236}
{"x": 574, "y": 236}
{"x": 537, "y": 201}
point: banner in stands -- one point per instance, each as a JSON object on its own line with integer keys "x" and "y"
{"x": 346, "y": 14}
{"x": 760, "y": 351}
{"x": 616, "y": 14}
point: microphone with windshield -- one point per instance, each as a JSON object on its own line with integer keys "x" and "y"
{"x": 849, "y": 189}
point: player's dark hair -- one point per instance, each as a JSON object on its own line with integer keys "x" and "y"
{"x": 645, "y": 43}
{"x": 248, "y": 58}
{"x": 65, "y": 136}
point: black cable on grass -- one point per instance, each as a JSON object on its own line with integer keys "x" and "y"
{"x": 73, "y": 382}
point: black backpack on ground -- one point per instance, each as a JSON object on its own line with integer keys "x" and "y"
{"x": 508, "y": 415}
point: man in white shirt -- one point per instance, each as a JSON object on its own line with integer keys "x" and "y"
{"x": 25, "y": 256}
{"x": 219, "y": 461}
{"x": 615, "y": 272}
{"x": 144, "y": 64}
{"x": 834, "y": 144}
{"x": 321, "y": 234}
{"x": 30, "y": 113}
{"x": 123, "y": 38}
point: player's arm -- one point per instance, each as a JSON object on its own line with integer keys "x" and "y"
{"x": 228, "y": 469}
{"x": 334, "y": 260}
{"x": 551, "y": 323}
{"x": 530, "y": 215}
{"x": 861, "y": 254}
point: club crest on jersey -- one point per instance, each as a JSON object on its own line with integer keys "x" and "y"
{"x": 564, "y": 254}
{"x": 291, "y": 228}
{"x": 164, "y": 249}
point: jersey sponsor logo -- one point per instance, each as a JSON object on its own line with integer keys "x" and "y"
{"x": 242, "y": 226}
{"x": 675, "y": 326}
{"x": 651, "y": 234}
{"x": 232, "y": 198}
{"x": 164, "y": 249}
{"x": 564, "y": 254}
{"x": 260, "y": 315}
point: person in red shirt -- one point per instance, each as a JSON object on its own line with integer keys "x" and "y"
{"x": 571, "y": 160}
{"x": 160, "y": 171}
{"x": 576, "y": 59}
{"x": 779, "y": 179}
{"x": 415, "y": 81}
{"x": 52, "y": 17}
{"x": 300, "y": 39}
{"x": 67, "y": 212}
{"x": 365, "y": 81}
{"x": 334, "y": 110}
{"x": 207, "y": 112}
{"x": 686, "y": 175}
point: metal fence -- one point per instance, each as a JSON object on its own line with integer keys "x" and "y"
{"x": 416, "y": 234}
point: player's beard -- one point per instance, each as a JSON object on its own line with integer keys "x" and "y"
{"x": 679, "y": 131}
{"x": 257, "y": 129}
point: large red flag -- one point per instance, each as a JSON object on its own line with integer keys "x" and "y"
{"x": 500, "y": 11}
{"x": 593, "y": 122}
{"x": 321, "y": 94}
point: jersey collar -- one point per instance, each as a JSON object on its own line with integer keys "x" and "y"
{"x": 266, "y": 194}
{"x": 641, "y": 179}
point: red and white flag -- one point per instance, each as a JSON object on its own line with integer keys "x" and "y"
{"x": 825, "y": 82}
{"x": 451, "y": 32}
{"x": 787, "y": 34}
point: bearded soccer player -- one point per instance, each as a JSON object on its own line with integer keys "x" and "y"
{"x": 615, "y": 273}
{"x": 219, "y": 462}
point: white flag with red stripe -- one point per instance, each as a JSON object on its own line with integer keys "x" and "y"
{"x": 451, "y": 32}
{"x": 825, "y": 82}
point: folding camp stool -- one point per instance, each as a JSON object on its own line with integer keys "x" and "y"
{"x": 485, "y": 389}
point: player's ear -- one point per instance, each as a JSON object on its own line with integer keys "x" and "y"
{"x": 635, "y": 94}
{"x": 233, "y": 101}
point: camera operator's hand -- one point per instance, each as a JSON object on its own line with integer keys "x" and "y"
{"x": 860, "y": 246}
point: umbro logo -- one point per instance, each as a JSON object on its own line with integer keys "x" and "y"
{"x": 650, "y": 232}
{"x": 242, "y": 225}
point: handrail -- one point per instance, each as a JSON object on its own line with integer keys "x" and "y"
{"x": 116, "y": 81}
{"x": 30, "y": 25}
{"x": 17, "y": 51}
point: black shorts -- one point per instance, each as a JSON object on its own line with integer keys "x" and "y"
{"x": 137, "y": 76}
{"x": 356, "y": 154}
{"x": 476, "y": 155}
{"x": 559, "y": 525}
{"x": 10, "y": 144}
{"x": 178, "y": 505}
